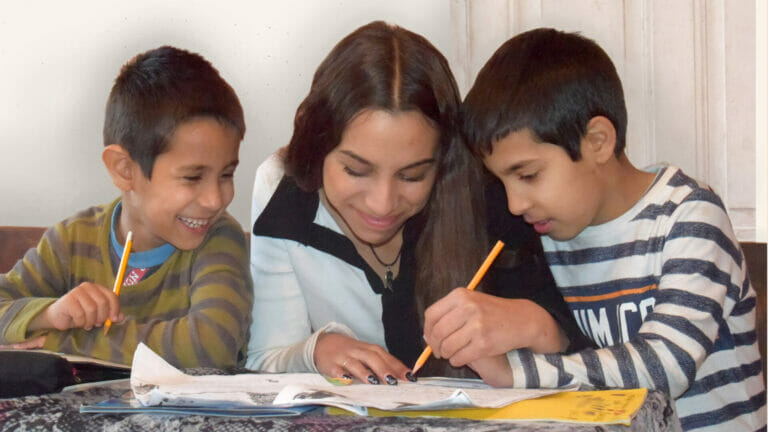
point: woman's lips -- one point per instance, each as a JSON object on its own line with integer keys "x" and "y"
{"x": 543, "y": 226}
{"x": 379, "y": 223}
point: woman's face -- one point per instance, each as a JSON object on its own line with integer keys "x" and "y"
{"x": 381, "y": 173}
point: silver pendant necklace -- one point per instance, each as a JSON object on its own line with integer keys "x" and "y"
{"x": 388, "y": 276}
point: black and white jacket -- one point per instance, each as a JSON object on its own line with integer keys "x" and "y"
{"x": 308, "y": 278}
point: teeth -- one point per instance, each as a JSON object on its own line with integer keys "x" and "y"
{"x": 193, "y": 223}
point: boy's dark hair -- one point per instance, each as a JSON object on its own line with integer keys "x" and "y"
{"x": 377, "y": 66}
{"x": 549, "y": 82}
{"x": 158, "y": 90}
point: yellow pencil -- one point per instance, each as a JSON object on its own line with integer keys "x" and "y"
{"x": 120, "y": 273}
{"x": 472, "y": 285}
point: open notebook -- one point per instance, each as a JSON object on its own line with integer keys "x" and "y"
{"x": 36, "y": 372}
{"x": 155, "y": 382}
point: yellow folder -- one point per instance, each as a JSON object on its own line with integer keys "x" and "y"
{"x": 599, "y": 406}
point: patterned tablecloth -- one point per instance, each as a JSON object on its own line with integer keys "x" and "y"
{"x": 60, "y": 412}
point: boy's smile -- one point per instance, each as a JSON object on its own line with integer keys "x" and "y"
{"x": 556, "y": 195}
{"x": 191, "y": 186}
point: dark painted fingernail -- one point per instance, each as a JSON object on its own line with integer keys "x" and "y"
{"x": 372, "y": 379}
{"x": 391, "y": 380}
{"x": 410, "y": 377}
{"x": 347, "y": 377}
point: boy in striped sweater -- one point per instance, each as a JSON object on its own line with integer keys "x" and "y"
{"x": 172, "y": 133}
{"x": 646, "y": 259}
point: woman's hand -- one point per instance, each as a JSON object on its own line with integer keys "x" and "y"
{"x": 465, "y": 326}
{"x": 337, "y": 355}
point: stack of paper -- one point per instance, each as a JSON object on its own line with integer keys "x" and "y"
{"x": 158, "y": 386}
{"x": 155, "y": 382}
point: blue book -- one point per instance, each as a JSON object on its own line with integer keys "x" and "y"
{"x": 129, "y": 405}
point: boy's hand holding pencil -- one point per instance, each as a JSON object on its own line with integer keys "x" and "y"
{"x": 470, "y": 287}
{"x": 86, "y": 306}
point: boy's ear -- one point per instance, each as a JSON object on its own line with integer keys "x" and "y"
{"x": 120, "y": 166}
{"x": 599, "y": 140}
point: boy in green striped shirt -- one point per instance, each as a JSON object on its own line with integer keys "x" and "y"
{"x": 172, "y": 133}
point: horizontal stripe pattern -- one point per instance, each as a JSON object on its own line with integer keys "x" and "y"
{"x": 664, "y": 290}
{"x": 194, "y": 310}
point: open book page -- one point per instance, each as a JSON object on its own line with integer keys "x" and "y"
{"x": 75, "y": 359}
{"x": 404, "y": 397}
{"x": 155, "y": 382}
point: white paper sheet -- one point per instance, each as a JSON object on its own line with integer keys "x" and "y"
{"x": 155, "y": 382}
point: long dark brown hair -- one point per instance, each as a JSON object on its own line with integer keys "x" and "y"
{"x": 386, "y": 67}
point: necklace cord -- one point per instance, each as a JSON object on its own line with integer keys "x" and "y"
{"x": 380, "y": 260}
{"x": 388, "y": 276}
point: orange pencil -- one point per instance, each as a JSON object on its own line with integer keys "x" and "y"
{"x": 472, "y": 285}
{"x": 120, "y": 273}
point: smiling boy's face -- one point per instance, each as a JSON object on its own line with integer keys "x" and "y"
{"x": 558, "y": 196}
{"x": 191, "y": 186}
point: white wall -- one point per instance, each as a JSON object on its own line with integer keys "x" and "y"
{"x": 761, "y": 114}
{"x": 58, "y": 61}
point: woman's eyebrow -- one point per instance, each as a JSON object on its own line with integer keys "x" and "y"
{"x": 355, "y": 157}
{"x": 419, "y": 163}
{"x": 366, "y": 162}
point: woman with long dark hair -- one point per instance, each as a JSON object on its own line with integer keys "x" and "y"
{"x": 374, "y": 211}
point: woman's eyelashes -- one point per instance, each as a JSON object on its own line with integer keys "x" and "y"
{"x": 354, "y": 173}
{"x": 528, "y": 177}
{"x": 407, "y": 176}
{"x": 413, "y": 177}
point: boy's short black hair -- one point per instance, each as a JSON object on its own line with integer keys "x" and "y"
{"x": 549, "y": 82}
{"x": 158, "y": 90}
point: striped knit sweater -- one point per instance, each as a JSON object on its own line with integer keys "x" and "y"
{"x": 663, "y": 289}
{"x": 194, "y": 310}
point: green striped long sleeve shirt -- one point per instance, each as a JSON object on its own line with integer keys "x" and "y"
{"x": 194, "y": 310}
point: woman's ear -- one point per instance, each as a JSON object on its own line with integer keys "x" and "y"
{"x": 120, "y": 166}
{"x": 599, "y": 140}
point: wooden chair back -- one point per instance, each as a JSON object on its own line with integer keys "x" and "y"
{"x": 755, "y": 255}
{"x": 14, "y": 243}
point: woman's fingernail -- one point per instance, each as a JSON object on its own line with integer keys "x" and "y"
{"x": 391, "y": 380}
{"x": 372, "y": 379}
{"x": 348, "y": 377}
{"x": 410, "y": 377}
